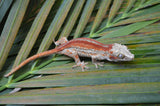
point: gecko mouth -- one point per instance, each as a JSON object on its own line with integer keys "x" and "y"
{"x": 130, "y": 58}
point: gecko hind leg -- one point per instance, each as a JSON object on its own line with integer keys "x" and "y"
{"x": 97, "y": 63}
{"x": 60, "y": 41}
{"x": 73, "y": 53}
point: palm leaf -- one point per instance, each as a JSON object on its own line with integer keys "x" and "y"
{"x": 131, "y": 22}
{"x": 11, "y": 29}
{"x": 4, "y": 6}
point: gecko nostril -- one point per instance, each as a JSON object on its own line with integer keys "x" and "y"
{"x": 132, "y": 56}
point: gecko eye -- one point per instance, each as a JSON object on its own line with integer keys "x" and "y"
{"x": 121, "y": 56}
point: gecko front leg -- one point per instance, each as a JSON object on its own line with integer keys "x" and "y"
{"x": 71, "y": 52}
{"x": 96, "y": 63}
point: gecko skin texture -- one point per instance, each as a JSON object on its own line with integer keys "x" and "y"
{"x": 84, "y": 47}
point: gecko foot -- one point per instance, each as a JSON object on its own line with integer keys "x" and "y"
{"x": 98, "y": 64}
{"x": 82, "y": 65}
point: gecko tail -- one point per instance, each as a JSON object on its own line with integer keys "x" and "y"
{"x": 46, "y": 53}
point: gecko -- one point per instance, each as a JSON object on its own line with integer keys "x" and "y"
{"x": 85, "y": 47}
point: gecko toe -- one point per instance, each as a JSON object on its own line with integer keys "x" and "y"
{"x": 82, "y": 65}
{"x": 98, "y": 64}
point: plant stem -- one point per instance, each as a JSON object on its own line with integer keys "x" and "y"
{"x": 101, "y": 30}
{"x": 21, "y": 77}
{"x": 25, "y": 74}
{"x": 44, "y": 64}
{"x": 31, "y": 71}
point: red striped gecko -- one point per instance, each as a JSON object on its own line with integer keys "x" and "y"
{"x": 84, "y": 47}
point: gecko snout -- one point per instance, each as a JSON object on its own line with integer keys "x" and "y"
{"x": 129, "y": 58}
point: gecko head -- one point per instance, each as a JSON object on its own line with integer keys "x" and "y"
{"x": 120, "y": 53}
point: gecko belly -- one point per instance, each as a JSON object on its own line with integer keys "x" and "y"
{"x": 100, "y": 55}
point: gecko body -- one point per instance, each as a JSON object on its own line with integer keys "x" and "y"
{"x": 84, "y": 47}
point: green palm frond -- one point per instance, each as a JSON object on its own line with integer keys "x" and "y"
{"x": 32, "y": 26}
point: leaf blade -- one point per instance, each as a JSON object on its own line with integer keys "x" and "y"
{"x": 4, "y": 6}
{"x": 72, "y": 20}
{"x": 11, "y": 29}
{"x": 100, "y": 15}
{"x": 128, "y": 29}
{"x": 55, "y": 25}
{"x": 115, "y": 7}
{"x": 135, "y": 75}
{"x": 84, "y": 17}
{"x": 33, "y": 32}
{"x": 110, "y": 94}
